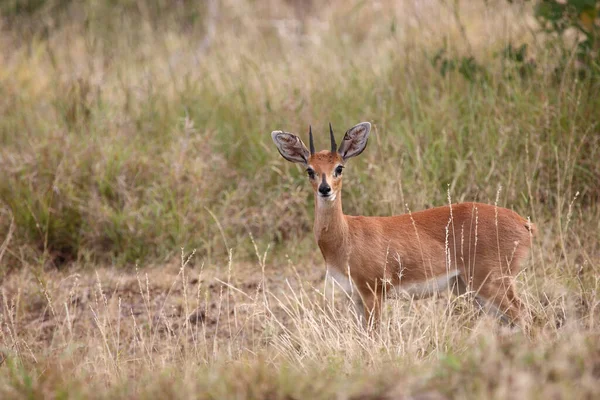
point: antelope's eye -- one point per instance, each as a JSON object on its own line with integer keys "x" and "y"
{"x": 311, "y": 173}
{"x": 338, "y": 170}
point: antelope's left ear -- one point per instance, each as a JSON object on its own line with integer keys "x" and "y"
{"x": 355, "y": 140}
{"x": 290, "y": 147}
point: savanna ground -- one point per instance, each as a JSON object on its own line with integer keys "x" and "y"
{"x": 153, "y": 243}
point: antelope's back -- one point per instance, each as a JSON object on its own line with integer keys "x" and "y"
{"x": 488, "y": 236}
{"x": 464, "y": 236}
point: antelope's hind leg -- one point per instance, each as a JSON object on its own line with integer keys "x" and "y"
{"x": 501, "y": 299}
{"x": 497, "y": 297}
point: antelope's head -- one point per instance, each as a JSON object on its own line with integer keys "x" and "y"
{"x": 324, "y": 169}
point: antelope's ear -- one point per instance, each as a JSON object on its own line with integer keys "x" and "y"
{"x": 355, "y": 140}
{"x": 290, "y": 147}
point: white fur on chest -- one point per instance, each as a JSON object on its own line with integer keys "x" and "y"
{"x": 340, "y": 279}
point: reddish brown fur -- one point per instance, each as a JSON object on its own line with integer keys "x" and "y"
{"x": 485, "y": 243}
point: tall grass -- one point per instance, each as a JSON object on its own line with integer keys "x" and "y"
{"x": 121, "y": 135}
{"x": 189, "y": 332}
{"x": 129, "y": 131}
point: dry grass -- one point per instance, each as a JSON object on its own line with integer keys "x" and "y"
{"x": 264, "y": 330}
{"x": 130, "y": 131}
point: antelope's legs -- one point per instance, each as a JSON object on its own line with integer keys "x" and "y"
{"x": 503, "y": 297}
{"x": 494, "y": 295}
{"x": 372, "y": 302}
{"x": 350, "y": 293}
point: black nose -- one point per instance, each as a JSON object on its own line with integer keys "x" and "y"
{"x": 324, "y": 189}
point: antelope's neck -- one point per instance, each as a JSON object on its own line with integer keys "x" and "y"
{"x": 331, "y": 231}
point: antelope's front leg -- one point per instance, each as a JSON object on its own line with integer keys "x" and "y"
{"x": 359, "y": 307}
{"x": 332, "y": 279}
{"x": 372, "y": 303}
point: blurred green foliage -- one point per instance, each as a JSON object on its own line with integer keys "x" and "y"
{"x": 571, "y": 30}
{"x": 556, "y": 18}
{"x": 122, "y": 142}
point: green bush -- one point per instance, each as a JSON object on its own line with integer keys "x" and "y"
{"x": 557, "y": 18}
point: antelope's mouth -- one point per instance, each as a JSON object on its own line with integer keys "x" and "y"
{"x": 328, "y": 197}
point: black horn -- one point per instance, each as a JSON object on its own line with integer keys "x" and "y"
{"x": 333, "y": 145}
{"x": 311, "y": 142}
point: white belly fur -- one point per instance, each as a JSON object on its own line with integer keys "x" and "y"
{"x": 417, "y": 289}
{"x": 428, "y": 287}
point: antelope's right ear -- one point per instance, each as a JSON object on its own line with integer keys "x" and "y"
{"x": 290, "y": 147}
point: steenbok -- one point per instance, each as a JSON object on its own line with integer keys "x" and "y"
{"x": 469, "y": 247}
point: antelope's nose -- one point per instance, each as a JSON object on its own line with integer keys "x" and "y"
{"x": 324, "y": 189}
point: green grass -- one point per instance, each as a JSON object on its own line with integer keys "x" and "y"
{"x": 114, "y": 153}
{"x": 129, "y": 131}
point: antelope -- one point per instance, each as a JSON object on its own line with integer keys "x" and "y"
{"x": 466, "y": 247}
